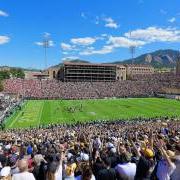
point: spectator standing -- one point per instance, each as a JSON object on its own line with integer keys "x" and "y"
{"x": 23, "y": 174}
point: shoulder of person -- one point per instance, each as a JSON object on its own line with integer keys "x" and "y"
{"x": 78, "y": 177}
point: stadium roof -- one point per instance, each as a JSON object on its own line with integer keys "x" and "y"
{"x": 90, "y": 64}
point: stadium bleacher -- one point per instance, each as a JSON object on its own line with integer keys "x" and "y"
{"x": 139, "y": 149}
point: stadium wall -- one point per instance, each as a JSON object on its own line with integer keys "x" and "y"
{"x": 175, "y": 91}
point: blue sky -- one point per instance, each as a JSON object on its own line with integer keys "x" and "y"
{"x": 95, "y": 30}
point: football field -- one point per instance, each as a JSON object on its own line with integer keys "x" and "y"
{"x": 44, "y": 112}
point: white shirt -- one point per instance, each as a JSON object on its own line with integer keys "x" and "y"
{"x": 164, "y": 170}
{"x": 23, "y": 176}
{"x": 126, "y": 170}
{"x": 58, "y": 173}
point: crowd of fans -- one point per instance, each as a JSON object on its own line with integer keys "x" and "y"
{"x": 166, "y": 79}
{"x": 102, "y": 151}
{"x": 79, "y": 90}
{"x": 119, "y": 150}
{"x": 6, "y": 104}
{"x": 140, "y": 85}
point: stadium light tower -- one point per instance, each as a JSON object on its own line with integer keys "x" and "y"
{"x": 132, "y": 50}
{"x": 46, "y": 45}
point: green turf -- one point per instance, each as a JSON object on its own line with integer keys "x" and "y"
{"x": 55, "y": 111}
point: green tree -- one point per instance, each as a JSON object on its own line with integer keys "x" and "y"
{"x": 1, "y": 86}
{"x": 4, "y": 75}
{"x": 17, "y": 73}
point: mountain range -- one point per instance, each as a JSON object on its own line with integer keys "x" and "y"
{"x": 158, "y": 59}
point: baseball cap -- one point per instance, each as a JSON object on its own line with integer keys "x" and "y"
{"x": 6, "y": 171}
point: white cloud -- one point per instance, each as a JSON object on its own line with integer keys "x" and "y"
{"x": 3, "y": 13}
{"x": 66, "y": 47}
{"x": 173, "y": 19}
{"x": 110, "y": 23}
{"x": 4, "y": 39}
{"x": 154, "y": 34}
{"x": 124, "y": 42}
{"x": 70, "y": 58}
{"x": 65, "y": 53}
{"x": 39, "y": 43}
{"x": 50, "y": 43}
{"x": 137, "y": 38}
{"x": 104, "y": 35}
{"x": 46, "y": 34}
{"x": 90, "y": 48}
{"x": 113, "y": 43}
{"x": 83, "y": 41}
{"x": 91, "y": 51}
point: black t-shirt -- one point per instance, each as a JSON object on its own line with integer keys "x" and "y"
{"x": 97, "y": 166}
{"x": 3, "y": 159}
{"x": 114, "y": 161}
{"x": 106, "y": 174}
{"x": 40, "y": 171}
{"x": 144, "y": 167}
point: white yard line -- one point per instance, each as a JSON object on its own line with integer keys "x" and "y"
{"x": 16, "y": 119}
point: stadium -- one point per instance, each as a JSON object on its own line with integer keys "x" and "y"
{"x": 97, "y": 98}
{"x": 78, "y": 100}
{"x": 79, "y": 96}
{"x": 90, "y": 98}
{"x": 86, "y": 98}
{"x": 84, "y": 92}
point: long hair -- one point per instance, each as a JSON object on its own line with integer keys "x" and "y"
{"x": 87, "y": 173}
{"x": 50, "y": 176}
{"x": 51, "y": 171}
